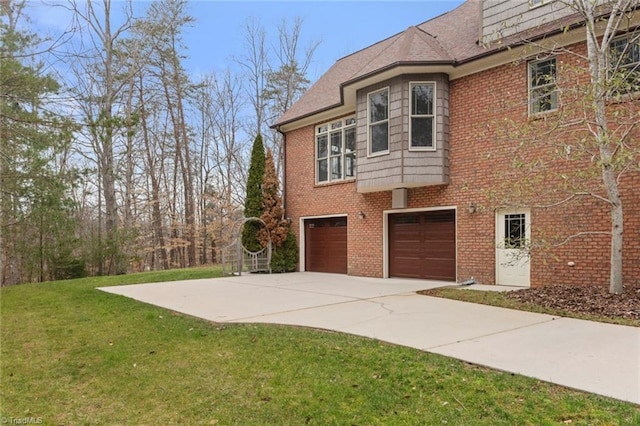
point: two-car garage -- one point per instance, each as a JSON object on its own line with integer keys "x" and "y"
{"x": 420, "y": 245}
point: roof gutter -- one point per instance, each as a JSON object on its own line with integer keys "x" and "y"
{"x": 453, "y": 63}
{"x": 278, "y": 125}
{"x": 284, "y": 174}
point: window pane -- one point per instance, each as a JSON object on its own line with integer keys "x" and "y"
{"x": 335, "y": 154}
{"x": 544, "y": 99}
{"x": 625, "y": 62}
{"x": 322, "y": 146}
{"x": 422, "y": 99}
{"x": 542, "y": 87}
{"x": 378, "y": 105}
{"x": 336, "y": 168}
{"x": 350, "y": 165}
{"x": 514, "y": 226}
{"x": 422, "y": 132}
{"x": 379, "y": 137}
{"x": 336, "y": 143}
{"x": 543, "y": 72}
{"x": 624, "y": 53}
{"x": 322, "y": 171}
{"x": 350, "y": 140}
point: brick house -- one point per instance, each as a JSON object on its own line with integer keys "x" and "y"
{"x": 400, "y": 161}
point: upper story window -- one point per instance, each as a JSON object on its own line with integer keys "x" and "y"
{"x": 423, "y": 120}
{"x": 378, "y": 121}
{"x": 336, "y": 150}
{"x": 625, "y": 62}
{"x": 543, "y": 92}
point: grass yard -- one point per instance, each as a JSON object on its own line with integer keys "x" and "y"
{"x": 73, "y": 355}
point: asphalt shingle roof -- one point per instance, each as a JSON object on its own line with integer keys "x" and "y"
{"x": 448, "y": 38}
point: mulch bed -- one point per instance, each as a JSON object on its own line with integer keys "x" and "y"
{"x": 592, "y": 300}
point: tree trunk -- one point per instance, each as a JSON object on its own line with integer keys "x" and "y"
{"x": 598, "y": 68}
{"x": 617, "y": 224}
{"x": 156, "y": 215}
{"x": 183, "y": 159}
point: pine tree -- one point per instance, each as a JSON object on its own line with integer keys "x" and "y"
{"x": 37, "y": 224}
{"x": 285, "y": 257}
{"x": 253, "y": 200}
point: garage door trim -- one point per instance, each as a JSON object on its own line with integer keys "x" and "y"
{"x": 385, "y": 232}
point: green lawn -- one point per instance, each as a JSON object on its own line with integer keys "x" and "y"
{"x": 73, "y": 355}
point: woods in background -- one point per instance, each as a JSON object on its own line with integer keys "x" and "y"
{"x": 113, "y": 158}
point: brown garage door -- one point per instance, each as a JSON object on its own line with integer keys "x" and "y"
{"x": 326, "y": 245}
{"x": 423, "y": 245}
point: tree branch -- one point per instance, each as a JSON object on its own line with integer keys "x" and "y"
{"x": 572, "y": 197}
{"x": 579, "y": 234}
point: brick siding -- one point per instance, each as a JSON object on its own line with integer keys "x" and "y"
{"x": 480, "y": 171}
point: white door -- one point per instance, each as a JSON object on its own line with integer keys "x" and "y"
{"x": 513, "y": 235}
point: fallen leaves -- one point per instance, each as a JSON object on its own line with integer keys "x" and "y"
{"x": 594, "y": 300}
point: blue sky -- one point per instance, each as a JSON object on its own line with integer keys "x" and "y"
{"x": 342, "y": 27}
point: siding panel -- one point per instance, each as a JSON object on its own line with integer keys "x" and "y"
{"x": 402, "y": 167}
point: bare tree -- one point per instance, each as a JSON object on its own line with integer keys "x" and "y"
{"x": 164, "y": 24}
{"x": 614, "y": 146}
{"x": 254, "y": 62}
{"x": 590, "y": 144}
{"x": 222, "y": 150}
{"x": 98, "y": 88}
{"x": 286, "y": 78}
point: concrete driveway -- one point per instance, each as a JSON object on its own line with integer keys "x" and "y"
{"x": 595, "y": 357}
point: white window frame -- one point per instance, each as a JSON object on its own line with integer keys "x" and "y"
{"x": 370, "y": 153}
{"x": 433, "y": 115}
{"x": 531, "y": 88}
{"x": 631, "y": 39}
{"x": 325, "y": 129}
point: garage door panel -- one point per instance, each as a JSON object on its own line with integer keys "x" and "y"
{"x": 442, "y": 269}
{"x": 409, "y": 249}
{"x": 410, "y": 268}
{"x": 423, "y": 245}
{"x": 408, "y": 236}
{"x": 326, "y": 245}
{"x": 439, "y": 231}
{"x": 435, "y": 252}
